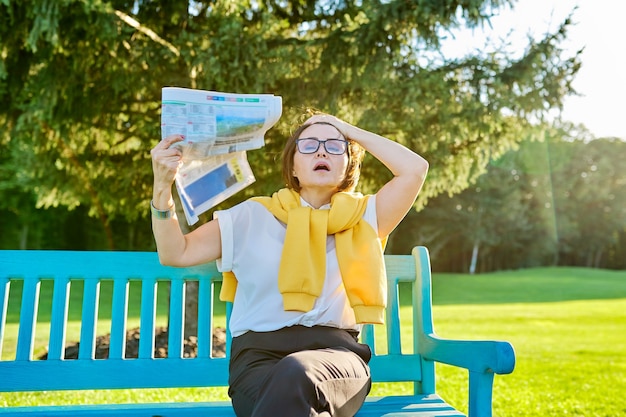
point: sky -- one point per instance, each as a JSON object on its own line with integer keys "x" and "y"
{"x": 598, "y": 27}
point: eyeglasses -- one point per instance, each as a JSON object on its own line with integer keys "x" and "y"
{"x": 332, "y": 146}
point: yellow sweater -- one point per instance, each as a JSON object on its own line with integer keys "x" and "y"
{"x": 303, "y": 261}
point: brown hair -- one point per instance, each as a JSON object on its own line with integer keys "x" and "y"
{"x": 353, "y": 171}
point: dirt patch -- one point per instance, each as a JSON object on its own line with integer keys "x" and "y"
{"x": 190, "y": 345}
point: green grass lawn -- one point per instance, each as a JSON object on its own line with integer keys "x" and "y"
{"x": 568, "y": 327}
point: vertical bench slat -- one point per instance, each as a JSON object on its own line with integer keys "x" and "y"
{"x": 89, "y": 317}
{"x": 4, "y": 302}
{"x": 422, "y": 306}
{"x": 229, "y": 337}
{"x": 393, "y": 318}
{"x": 205, "y": 322}
{"x": 148, "y": 315}
{"x": 367, "y": 336}
{"x": 28, "y": 320}
{"x": 117, "y": 345}
{"x": 176, "y": 319}
{"x": 58, "y": 319}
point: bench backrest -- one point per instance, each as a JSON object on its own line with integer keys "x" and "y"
{"x": 26, "y": 272}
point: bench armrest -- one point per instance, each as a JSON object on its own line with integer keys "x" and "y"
{"x": 483, "y": 356}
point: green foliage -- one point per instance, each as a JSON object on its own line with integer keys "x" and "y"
{"x": 554, "y": 201}
{"x": 81, "y": 82}
{"x": 590, "y": 200}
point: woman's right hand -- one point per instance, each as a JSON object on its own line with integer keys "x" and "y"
{"x": 166, "y": 160}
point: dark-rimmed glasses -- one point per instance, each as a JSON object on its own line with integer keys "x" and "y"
{"x": 332, "y": 146}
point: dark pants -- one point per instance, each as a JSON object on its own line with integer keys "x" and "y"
{"x": 298, "y": 372}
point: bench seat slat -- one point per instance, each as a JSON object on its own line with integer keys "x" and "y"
{"x": 210, "y": 409}
{"x": 408, "y": 406}
{"x": 430, "y": 405}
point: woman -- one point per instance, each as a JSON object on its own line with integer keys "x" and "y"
{"x": 304, "y": 268}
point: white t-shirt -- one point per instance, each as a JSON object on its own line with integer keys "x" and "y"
{"x": 252, "y": 244}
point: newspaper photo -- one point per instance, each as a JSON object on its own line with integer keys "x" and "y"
{"x": 203, "y": 184}
{"x": 218, "y": 129}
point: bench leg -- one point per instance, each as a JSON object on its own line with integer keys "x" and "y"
{"x": 480, "y": 389}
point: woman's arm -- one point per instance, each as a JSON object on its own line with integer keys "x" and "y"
{"x": 396, "y": 197}
{"x": 175, "y": 249}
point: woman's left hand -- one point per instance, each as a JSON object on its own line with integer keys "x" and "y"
{"x": 396, "y": 197}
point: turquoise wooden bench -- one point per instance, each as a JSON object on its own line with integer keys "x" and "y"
{"x": 27, "y": 271}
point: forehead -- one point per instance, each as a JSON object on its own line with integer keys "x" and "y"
{"x": 321, "y": 131}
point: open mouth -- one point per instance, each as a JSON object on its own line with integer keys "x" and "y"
{"x": 321, "y": 167}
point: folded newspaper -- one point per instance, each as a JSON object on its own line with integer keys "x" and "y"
{"x": 218, "y": 128}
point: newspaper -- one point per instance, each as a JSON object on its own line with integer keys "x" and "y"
{"x": 218, "y": 129}
{"x": 215, "y": 123}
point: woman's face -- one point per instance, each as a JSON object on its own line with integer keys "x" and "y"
{"x": 320, "y": 169}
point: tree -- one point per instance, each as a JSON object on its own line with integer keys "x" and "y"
{"x": 557, "y": 200}
{"x": 590, "y": 198}
{"x": 80, "y": 82}
{"x": 502, "y": 221}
